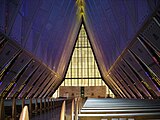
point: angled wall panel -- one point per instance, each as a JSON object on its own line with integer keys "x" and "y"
{"x": 152, "y": 34}
{"x": 150, "y": 74}
{"x": 116, "y": 88}
{"x": 146, "y": 57}
{"x": 124, "y": 86}
{"x": 10, "y": 78}
{"x": 33, "y": 79}
{"x": 123, "y": 93}
{"x": 127, "y": 81}
{"x": 2, "y": 40}
{"x": 48, "y": 87}
{"x": 2, "y": 15}
{"x": 131, "y": 82}
{"x": 42, "y": 86}
{"x": 150, "y": 49}
{"x": 141, "y": 88}
{"x": 158, "y": 14}
{"x": 117, "y": 80}
{"x": 7, "y": 53}
{"x": 37, "y": 83}
{"x": 25, "y": 77}
{"x": 131, "y": 60}
{"x": 50, "y": 91}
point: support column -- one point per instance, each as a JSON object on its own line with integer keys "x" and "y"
{"x": 23, "y": 103}
{"x": 36, "y": 106}
{"x": 30, "y": 107}
{"x": 14, "y": 108}
{"x": 48, "y": 105}
{"x": 51, "y": 103}
{"x": 44, "y": 103}
{"x": 41, "y": 107}
{"x": 2, "y": 117}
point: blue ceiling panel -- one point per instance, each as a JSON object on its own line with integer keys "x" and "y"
{"x": 115, "y": 23}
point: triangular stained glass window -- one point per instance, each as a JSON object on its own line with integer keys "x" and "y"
{"x": 83, "y": 70}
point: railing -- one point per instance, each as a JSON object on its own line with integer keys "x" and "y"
{"x": 11, "y": 109}
{"x": 23, "y": 109}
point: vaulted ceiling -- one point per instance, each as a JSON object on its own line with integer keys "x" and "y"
{"x": 37, "y": 39}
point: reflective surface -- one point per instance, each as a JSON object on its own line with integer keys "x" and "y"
{"x": 138, "y": 109}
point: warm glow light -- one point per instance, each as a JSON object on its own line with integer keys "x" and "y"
{"x": 81, "y": 6}
{"x": 83, "y": 69}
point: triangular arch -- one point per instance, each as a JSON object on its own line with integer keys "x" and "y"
{"x": 83, "y": 72}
